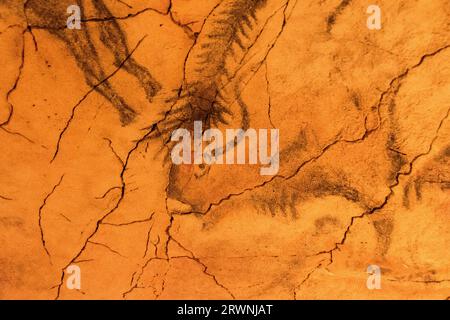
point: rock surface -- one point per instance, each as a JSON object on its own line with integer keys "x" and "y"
{"x": 86, "y": 180}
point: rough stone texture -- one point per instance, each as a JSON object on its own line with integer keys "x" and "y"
{"x": 364, "y": 125}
